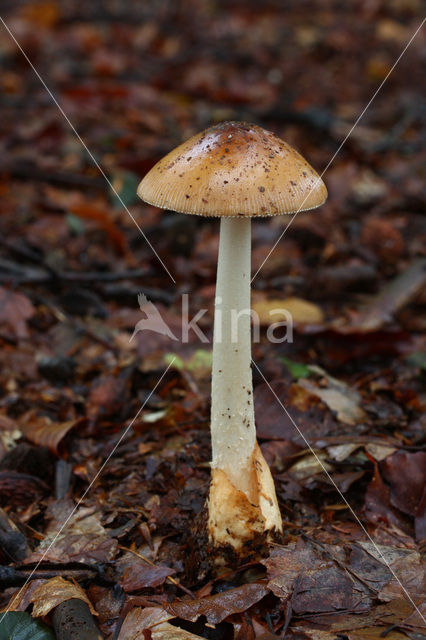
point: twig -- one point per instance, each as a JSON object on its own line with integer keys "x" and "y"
{"x": 28, "y": 171}
{"x": 72, "y": 620}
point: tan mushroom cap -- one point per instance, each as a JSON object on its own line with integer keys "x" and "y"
{"x": 233, "y": 169}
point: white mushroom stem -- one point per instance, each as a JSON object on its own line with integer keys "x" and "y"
{"x": 233, "y": 428}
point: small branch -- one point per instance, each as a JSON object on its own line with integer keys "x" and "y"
{"x": 72, "y": 620}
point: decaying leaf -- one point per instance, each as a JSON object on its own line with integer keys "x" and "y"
{"x": 276, "y": 310}
{"x": 21, "y": 599}
{"x": 219, "y": 606}
{"x": 83, "y": 539}
{"x": 166, "y": 631}
{"x": 379, "y": 451}
{"x": 405, "y": 472}
{"x": 140, "y": 624}
{"x": 72, "y": 266}
{"x": 43, "y": 431}
{"x": 55, "y": 591}
{"x": 340, "y": 452}
{"x": 140, "y": 575}
{"x": 378, "y": 507}
{"x": 338, "y": 396}
{"x": 303, "y": 408}
{"x": 317, "y": 578}
{"x": 309, "y": 465}
{"x": 138, "y": 620}
{"x": 15, "y": 310}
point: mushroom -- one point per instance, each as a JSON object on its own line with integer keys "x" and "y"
{"x": 235, "y": 171}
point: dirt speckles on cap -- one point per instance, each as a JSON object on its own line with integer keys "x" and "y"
{"x": 242, "y": 153}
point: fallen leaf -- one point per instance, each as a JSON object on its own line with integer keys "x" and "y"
{"x": 378, "y": 507}
{"x": 379, "y": 451}
{"x": 15, "y": 310}
{"x": 409, "y": 572}
{"x": 199, "y": 364}
{"x": 297, "y": 369}
{"x": 274, "y": 423}
{"x": 55, "y": 591}
{"x": 309, "y": 465}
{"x": 83, "y": 539}
{"x": 21, "y": 599}
{"x": 166, "y": 631}
{"x": 140, "y": 575}
{"x": 313, "y": 580}
{"x": 340, "y": 452}
{"x": 219, "y": 606}
{"x": 16, "y": 625}
{"x": 45, "y": 432}
{"x": 88, "y": 548}
{"x": 125, "y": 183}
{"x": 338, "y": 396}
{"x": 405, "y": 473}
{"x": 301, "y": 311}
{"x": 151, "y": 624}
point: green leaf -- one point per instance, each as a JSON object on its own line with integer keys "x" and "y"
{"x": 200, "y": 359}
{"x": 297, "y": 369}
{"x": 175, "y": 360}
{"x": 16, "y": 625}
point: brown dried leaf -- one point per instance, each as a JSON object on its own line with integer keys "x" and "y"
{"x": 410, "y": 574}
{"x": 89, "y": 548}
{"x": 21, "y": 599}
{"x": 151, "y": 623}
{"x": 138, "y": 620}
{"x": 50, "y": 594}
{"x": 406, "y": 474}
{"x": 140, "y": 575}
{"x": 338, "y": 396}
{"x": 15, "y": 310}
{"x": 273, "y": 423}
{"x": 218, "y": 607}
{"x": 315, "y": 582}
{"x": 378, "y": 506}
{"x": 43, "y": 431}
{"x": 301, "y": 311}
{"x": 166, "y": 631}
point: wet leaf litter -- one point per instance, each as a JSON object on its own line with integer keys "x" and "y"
{"x": 72, "y": 265}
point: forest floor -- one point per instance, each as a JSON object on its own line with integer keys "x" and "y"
{"x": 104, "y": 454}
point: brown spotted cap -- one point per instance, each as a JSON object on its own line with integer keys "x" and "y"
{"x": 233, "y": 169}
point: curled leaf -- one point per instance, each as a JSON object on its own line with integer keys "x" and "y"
{"x": 50, "y": 594}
